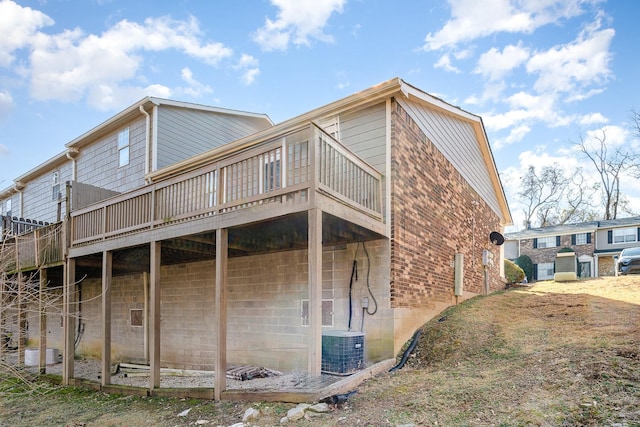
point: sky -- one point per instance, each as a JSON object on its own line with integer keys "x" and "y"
{"x": 542, "y": 74}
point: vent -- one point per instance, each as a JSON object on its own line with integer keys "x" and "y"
{"x": 342, "y": 352}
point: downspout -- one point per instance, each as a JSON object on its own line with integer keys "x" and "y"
{"x": 72, "y": 153}
{"x": 18, "y": 187}
{"x": 147, "y": 139}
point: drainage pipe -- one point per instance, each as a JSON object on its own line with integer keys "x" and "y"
{"x": 407, "y": 352}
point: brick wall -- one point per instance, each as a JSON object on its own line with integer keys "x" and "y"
{"x": 435, "y": 214}
{"x": 544, "y": 255}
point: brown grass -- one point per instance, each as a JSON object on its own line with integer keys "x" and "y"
{"x": 553, "y": 354}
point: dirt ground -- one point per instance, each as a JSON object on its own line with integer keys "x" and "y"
{"x": 551, "y": 354}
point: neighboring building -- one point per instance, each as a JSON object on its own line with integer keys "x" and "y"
{"x": 597, "y": 245}
{"x": 244, "y": 253}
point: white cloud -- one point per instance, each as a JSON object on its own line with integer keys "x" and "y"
{"x": 249, "y": 76}
{"x": 298, "y": 21}
{"x": 18, "y": 25}
{"x": 445, "y": 63}
{"x": 575, "y": 65}
{"x": 70, "y": 65}
{"x": 494, "y": 64}
{"x": 249, "y": 67}
{"x": 592, "y": 119}
{"x": 195, "y": 89}
{"x": 472, "y": 19}
{"x": 6, "y": 104}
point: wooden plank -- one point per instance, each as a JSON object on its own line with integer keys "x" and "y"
{"x": 315, "y": 291}
{"x": 154, "y": 315}
{"x": 42, "y": 309}
{"x": 222, "y": 253}
{"x": 69, "y": 320}
{"x": 107, "y": 264}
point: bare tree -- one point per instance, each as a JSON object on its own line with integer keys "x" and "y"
{"x": 21, "y": 295}
{"x": 542, "y": 192}
{"x": 610, "y": 163}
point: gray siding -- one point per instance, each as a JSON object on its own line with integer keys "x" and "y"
{"x": 98, "y": 162}
{"x": 363, "y": 132}
{"x": 184, "y": 133}
{"x": 38, "y": 198}
{"x": 457, "y": 141}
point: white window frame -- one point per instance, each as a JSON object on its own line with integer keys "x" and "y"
{"x": 123, "y": 147}
{"x": 581, "y": 239}
{"x": 625, "y": 235}
{"x": 55, "y": 185}
{"x": 547, "y": 242}
{"x": 547, "y": 268}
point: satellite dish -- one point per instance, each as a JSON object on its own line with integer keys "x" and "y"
{"x": 496, "y": 238}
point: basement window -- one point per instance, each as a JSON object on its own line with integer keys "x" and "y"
{"x": 136, "y": 317}
{"x": 327, "y": 312}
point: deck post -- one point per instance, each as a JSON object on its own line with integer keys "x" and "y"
{"x": 107, "y": 263}
{"x": 42, "y": 308}
{"x": 4, "y": 304}
{"x": 315, "y": 291}
{"x": 222, "y": 253}
{"x": 154, "y": 315}
{"x": 68, "y": 319}
{"x": 22, "y": 319}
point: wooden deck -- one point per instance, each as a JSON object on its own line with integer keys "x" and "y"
{"x": 291, "y": 173}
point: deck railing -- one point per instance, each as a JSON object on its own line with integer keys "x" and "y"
{"x": 278, "y": 170}
{"x": 40, "y": 247}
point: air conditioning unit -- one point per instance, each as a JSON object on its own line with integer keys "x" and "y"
{"x": 342, "y": 352}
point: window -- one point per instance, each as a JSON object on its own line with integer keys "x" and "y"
{"x": 55, "y": 184}
{"x": 545, "y": 270}
{"x": 136, "y": 317}
{"x": 581, "y": 239}
{"x": 123, "y": 147}
{"x": 624, "y": 235}
{"x": 546, "y": 242}
{"x": 327, "y": 312}
{"x": 7, "y": 210}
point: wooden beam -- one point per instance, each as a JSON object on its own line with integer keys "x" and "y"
{"x": 315, "y": 291}
{"x": 42, "y": 309}
{"x": 154, "y": 315}
{"x": 222, "y": 253}
{"x": 68, "y": 319}
{"x": 4, "y": 304}
{"x": 107, "y": 264}
{"x": 22, "y": 319}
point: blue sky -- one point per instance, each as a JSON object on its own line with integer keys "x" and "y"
{"x": 541, "y": 74}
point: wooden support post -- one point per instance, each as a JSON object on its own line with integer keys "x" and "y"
{"x": 222, "y": 254}
{"x": 22, "y": 320}
{"x": 69, "y": 313}
{"x": 315, "y": 291}
{"x": 107, "y": 263}
{"x": 4, "y": 304}
{"x": 42, "y": 309}
{"x": 154, "y": 315}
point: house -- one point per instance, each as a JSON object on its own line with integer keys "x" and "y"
{"x": 362, "y": 218}
{"x": 597, "y": 245}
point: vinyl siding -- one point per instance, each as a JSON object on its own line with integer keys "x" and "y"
{"x": 457, "y": 141}
{"x": 37, "y": 196}
{"x": 363, "y": 132}
{"x": 185, "y": 133}
{"x": 98, "y": 163}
